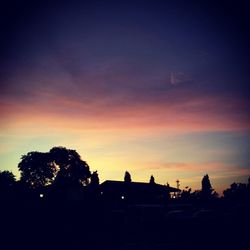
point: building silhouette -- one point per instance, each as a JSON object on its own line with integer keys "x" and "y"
{"x": 135, "y": 192}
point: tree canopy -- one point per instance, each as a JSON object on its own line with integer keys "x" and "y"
{"x": 7, "y": 179}
{"x": 206, "y": 187}
{"x": 238, "y": 191}
{"x": 127, "y": 177}
{"x": 60, "y": 166}
{"x": 72, "y": 169}
{"x": 94, "y": 179}
{"x": 37, "y": 169}
{"x": 152, "y": 180}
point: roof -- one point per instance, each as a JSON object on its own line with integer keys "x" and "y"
{"x": 118, "y": 185}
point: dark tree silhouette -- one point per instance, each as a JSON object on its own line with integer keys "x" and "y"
{"x": 37, "y": 170}
{"x": 94, "y": 179}
{"x": 93, "y": 188}
{"x": 72, "y": 170}
{"x": 207, "y": 191}
{"x": 206, "y": 187}
{"x": 7, "y": 179}
{"x": 237, "y": 192}
{"x": 152, "y": 180}
{"x": 7, "y": 184}
{"x": 127, "y": 177}
{"x": 186, "y": 194}
{"x": 60, "y": 166}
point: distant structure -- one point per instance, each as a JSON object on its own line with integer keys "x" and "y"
{"x": 177, "y": 193}
{"x": 178, "y": 184}
{"x": 135, "y": 192}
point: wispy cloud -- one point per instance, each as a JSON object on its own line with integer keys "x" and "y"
{"x": 177, "y": 78}
{"x": 177, "y": 112}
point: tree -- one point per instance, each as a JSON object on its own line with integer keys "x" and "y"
{"x": 73, "y": 170}
{"x": 60, "y": 166}
{"x": 186, "y": 194}
{"x": 7, "y": 179}
{"x": 127, "y": 177}
{"x": 237, "y": 192}
{"x": 7, "y": 183}
{"x": 93, "y": 188}
{"x": 37, "y": 170}
{"x": 152, "y": 180}
{"x": 206, "y": 190}
{"x": 94, "y": 179}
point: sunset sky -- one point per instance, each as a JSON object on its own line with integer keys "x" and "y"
{"x": 151, "y": 87}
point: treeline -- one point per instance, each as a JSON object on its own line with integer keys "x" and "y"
{"x": 237, "y": 192}
{"x": 62, "y": 169}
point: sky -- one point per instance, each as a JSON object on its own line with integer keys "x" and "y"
{"x": 152, "y": 87}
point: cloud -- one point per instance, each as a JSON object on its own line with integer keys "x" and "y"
{"x": 178, "y": 111}
{"x": 211, "y": 167}
{"x": 177, "y": 78}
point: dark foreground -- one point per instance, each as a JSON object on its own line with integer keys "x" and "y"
{"x": 77, "y": 226}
